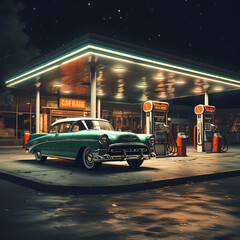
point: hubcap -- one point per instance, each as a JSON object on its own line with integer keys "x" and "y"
{"x": 89, "y": 158}
{"x": 38, "y": 155}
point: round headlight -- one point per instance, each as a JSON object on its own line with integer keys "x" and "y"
{"x": 151, "y": 140}
{"x": 103, "y": 139}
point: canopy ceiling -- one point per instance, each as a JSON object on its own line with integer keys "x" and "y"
{"x": 124, "y": 73}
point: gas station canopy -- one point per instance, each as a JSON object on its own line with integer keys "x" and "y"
{"x": 124, "y": 73}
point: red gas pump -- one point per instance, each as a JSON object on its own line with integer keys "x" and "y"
{"x": 181, "y": 144}
{"x": 219, "y": 143}
{"x": 25, "y": 138}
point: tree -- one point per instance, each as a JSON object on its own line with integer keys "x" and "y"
{"x": 15, "y": 50}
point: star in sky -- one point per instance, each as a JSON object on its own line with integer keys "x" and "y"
{"x": 146, "y": 23}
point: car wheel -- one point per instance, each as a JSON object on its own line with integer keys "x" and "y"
{"x": 88, "y": 161}
{"x": 38, "y": 156}
{"x": 135, "y": 163}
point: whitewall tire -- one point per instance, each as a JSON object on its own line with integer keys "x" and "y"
{"x": 39, "y": 157}
{"x": 88, "y": 161}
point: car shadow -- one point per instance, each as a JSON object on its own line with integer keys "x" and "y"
{"x": 115, "y": 168}
{"x": 57, "y": 163}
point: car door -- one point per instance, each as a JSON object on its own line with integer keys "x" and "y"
{"x": 50, "y": 144}
{"x": 78, "y": 138}
{"x": 62, "y": 140}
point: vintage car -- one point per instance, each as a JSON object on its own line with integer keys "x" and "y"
{"x": 90, "y": 141}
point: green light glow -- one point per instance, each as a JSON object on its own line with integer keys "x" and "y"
{"x": 120, "y": 56}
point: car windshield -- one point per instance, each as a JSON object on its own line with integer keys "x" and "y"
{"x": 99, "y": 125}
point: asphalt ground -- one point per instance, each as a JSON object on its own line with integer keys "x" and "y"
{"x": 194, "y": 211}
{"x": 63, "y": 176}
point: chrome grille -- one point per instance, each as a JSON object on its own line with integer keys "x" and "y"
{"x": 129, "y": 138}
{"x": 128, "y": 149}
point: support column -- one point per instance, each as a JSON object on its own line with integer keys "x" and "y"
{"x": 30, "y": 116}
{"x": 149, "y": 123}
{"x": 99, "y": 108}
{"x": 37, "y": 115}
{"x": 206, "y": 100}
{"x": 93, "y": 90}
{"x": 16, "y": 118}
{"x": 142, "y": 129}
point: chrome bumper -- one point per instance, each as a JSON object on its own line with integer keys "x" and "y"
{"x": 124, "y": 157}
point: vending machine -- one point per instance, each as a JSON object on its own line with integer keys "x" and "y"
{"x": 157, "y": 124}
{"x": 205, "y": 128}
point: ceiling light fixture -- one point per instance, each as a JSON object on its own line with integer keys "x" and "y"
{"x": 159, "y": 78}
{"x": 57, "y": 85}
{"x": 197, "y": 90}
{"x": 66, "y": 91}
{"x": 141, "y": 86}
{"x": 119, "y": 69}
{"x": 119, "y": 96}
{"x": 218, "y": 89}
{"x": 180, "y": 82}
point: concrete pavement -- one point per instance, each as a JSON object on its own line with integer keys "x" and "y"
{"x": 62, "y": 176}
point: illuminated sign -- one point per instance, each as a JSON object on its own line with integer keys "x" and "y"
{"x": 210, "y": 109}
{"x": 72, "y": 103}
{"x": 199, "y": 109}
{"x": 150, "y": 105}
{"x": 160, "y": 106}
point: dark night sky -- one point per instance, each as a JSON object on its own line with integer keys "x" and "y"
{"x": 207, "y": 31}
{"x": 203, "y": 30}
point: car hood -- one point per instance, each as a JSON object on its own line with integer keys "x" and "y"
{"x": 117, "y": 136}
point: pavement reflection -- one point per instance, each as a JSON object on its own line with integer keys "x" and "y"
{"x": 207, "y": 210}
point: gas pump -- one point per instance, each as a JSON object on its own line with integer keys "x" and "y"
{"x": 205, "y": 128}
{"x": 156, "y": 123}
{"x": 206, "y": 138}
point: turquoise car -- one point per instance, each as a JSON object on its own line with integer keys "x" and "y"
{"x": 91, "y": 141}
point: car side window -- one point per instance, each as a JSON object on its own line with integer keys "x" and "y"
{"x": 54, "y": 129}
{"x": 89, "y": 124}
{"x": 65, "y": 127}
{"x": 78, "y": 126}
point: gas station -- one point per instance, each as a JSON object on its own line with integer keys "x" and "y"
{"x": 132, "y": 88}
{"x": 100, "y": 77}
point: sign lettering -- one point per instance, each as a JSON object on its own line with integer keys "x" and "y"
{"x": 72, "y": 103}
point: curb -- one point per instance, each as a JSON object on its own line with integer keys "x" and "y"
{"x": 60, "y": 189}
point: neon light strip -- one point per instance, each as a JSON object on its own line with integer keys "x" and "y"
{"x": 34, "y": 75}
{"x": 168, "y": 70}
{"x": 48, "y": 64}
{"x": 120, "y": 54}
{"x": 46, "y": 70}
{"x": 164, "y": 64}
{"x": 150, "y": 66}
{"x": 75, "y": 58}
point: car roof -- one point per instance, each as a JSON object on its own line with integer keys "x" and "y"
{"x": 78, "y": 119}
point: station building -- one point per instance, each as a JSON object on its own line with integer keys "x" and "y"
{"x": 101, "y": 77}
